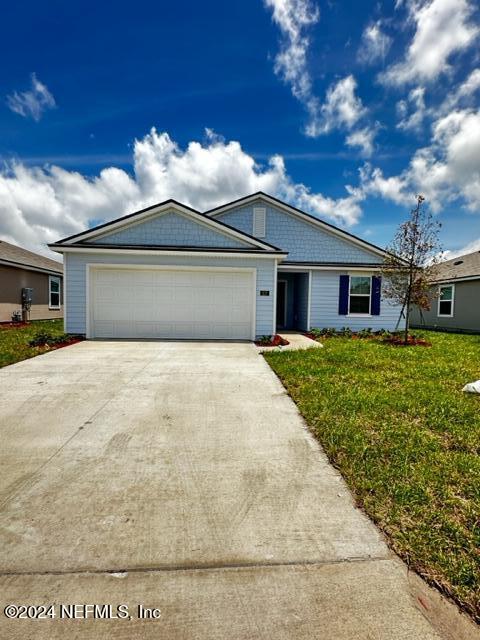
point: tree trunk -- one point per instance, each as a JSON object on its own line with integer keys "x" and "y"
{"x": 407, "y": 323}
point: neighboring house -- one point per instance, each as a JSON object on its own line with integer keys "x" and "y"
{"x": 21, "y": 269}
{"x": 243, "y": 270}
{"x": 455, "y": 297}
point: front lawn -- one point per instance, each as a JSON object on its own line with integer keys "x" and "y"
{"x": 406, "y": 439}
{"x": 14, "y": 340}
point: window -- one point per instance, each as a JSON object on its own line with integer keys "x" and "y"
{"x": 259, "y": 215}
{"x": 53, "y": 292}
{"x": 359, "y": 295}
{"x": 445, "y": 300}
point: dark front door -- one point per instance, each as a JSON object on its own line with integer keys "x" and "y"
{"x": 281, "y": 304}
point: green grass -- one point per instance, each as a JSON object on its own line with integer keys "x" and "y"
{"x": 406, "y": 439}
{"x": 14, "y": 341}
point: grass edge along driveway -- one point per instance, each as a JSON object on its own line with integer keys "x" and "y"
{"x": 14, "y": 340}
{"x": 396, "y": 424}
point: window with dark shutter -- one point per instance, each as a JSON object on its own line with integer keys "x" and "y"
{"x": 376, "y": 295}
{"x": 343, "y": 295}
{"x": 360, "y": 295}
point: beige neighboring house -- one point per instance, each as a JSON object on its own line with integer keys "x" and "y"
{"x": 455, "y": 300}
{"x": 21, "y": 269}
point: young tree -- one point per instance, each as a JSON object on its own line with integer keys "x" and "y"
{"x": 407, "y": 268}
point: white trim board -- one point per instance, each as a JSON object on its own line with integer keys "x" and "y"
{"x": 341, "y": 267}
{"x": 153, "y": 212}
{"x": 163, "y": 252}
{"x": 91, "y": 266}
{"x": 452, "y": 301}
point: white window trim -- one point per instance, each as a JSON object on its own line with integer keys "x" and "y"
{"x": 446, "y": 315}
{"x": 259, "y": 222}
{"x": 50, "y": 280}
{"x": 365, "y": 295}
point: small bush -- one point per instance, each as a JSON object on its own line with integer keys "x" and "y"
{"x": 315, "y": 333}
{"x": 364, "y": 333}
{"x": 271, "y": 341}
{"x": 44, "y": 338}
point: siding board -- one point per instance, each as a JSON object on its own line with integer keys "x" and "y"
{"x": 76, "y": 281}
{"x": 304, "y": 241}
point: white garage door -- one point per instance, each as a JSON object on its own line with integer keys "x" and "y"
{"x": 166, "y": 303}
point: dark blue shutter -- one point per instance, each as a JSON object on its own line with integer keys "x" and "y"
{"x": 376, "y": 294}
{"x": 343, "y": 295}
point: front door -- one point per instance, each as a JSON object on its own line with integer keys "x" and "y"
{"x": 281, "y": 304}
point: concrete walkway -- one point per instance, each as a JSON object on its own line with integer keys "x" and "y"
{"x": 297, "y": 341}
{"x": 180, "y": 476}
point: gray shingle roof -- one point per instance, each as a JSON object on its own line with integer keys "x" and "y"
{"x": 19, "y": 257}
{"x": 467, "y": 266}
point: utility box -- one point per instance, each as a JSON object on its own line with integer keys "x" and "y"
{"x": 27, "y": 297}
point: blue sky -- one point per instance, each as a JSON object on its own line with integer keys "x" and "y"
{"x": 346, "y": 109}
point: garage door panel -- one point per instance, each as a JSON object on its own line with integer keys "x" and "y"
{"x": 168, "y": 303}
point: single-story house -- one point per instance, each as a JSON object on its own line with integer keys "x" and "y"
{"x": 30, "y": 285}
{"x": 455, "y": 296}
{"x": 246, "y": 269}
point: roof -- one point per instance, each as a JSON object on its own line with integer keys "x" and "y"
{"x": 467, "y": 266}
{"x": 79, "y": 239}
{"x": 15, "y": 256}
{"x": 302, "y": 214}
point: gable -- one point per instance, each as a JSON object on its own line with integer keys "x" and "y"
{"x": 305, "y": 241}
{"x": 171, "y": 228}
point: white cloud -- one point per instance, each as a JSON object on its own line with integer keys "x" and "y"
{"x": 394, "y": 188}
{"x": 364, "y": 139}
{"x": 446, "y": 171}
{"x": 294, "y": 17}
{"x": 41, "y": 205}
{"x": 464, "y": 92}
{"x": 342, "y": 108}
{"x": 374, "y": 45}
{"x": 442, "y": 28}
{"x": 471, "y": 247}
{"x": 412, "y": 111}
{"x": 32, "y": 103}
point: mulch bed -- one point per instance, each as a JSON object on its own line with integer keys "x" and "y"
{"x": 59, "y": 345}
{"x": 13, "y": 325}
{"x": 276, "y": 341}
{"x": 399, "y": 341}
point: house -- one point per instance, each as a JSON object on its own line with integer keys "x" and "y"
{"x": 38, "y": 277}
{"x": 246, "y": 269}
{"x": 455, "y": 296}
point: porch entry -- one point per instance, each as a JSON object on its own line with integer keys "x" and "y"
{"x": 292, "y": 300}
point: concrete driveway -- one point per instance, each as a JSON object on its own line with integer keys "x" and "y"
{"x": 180, "y": 476}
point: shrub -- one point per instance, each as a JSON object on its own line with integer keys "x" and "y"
{"x": 44, "y": 338}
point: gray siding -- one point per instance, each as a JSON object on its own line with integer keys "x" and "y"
{"x": 324, "y": 307}
{"x": 466, "y": 310}
{"x": 304, "y": 241}
{"x": 76, "y": 282}
{"x": 171, "y": 229}
{"x": 302, "y": 304}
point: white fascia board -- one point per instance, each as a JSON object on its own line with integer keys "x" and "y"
{"x": 453, "y": 280}
{"x": 306, "y": 218}
{"x": 153, "y": 252}
{"x": 160, "y": 210}
{"x": 340, "y": 267}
